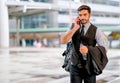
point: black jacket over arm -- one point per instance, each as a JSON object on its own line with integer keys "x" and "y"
{"x": 98, "y": 58}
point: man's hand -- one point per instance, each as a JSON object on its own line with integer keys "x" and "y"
{"x": 83, "y": 49}
{"x": 67, "y": 36}
{"x": 76, "y": 25}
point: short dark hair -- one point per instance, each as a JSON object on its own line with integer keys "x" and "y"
{"x": 84, "y": 7}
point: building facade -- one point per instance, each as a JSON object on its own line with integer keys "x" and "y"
{"x": 46, "y": 14}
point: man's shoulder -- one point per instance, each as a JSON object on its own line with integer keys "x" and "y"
{"x": 94, "y": 26}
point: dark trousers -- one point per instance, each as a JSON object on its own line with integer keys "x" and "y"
{"x": 77, "y": 75}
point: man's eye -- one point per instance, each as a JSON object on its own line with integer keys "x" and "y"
{"x": 80, "y": 15}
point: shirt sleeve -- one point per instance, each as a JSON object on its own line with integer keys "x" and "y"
{"x": 102, "y": 39}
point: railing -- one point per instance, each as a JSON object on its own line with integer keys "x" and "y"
{"x": 62, "y": 29}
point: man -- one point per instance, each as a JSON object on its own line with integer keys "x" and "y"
{"x": 83, "y": 35}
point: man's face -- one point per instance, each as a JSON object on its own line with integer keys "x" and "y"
{"x": 84, "y": 16}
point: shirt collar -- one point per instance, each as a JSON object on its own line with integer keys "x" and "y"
{"x": 87, "y": 25}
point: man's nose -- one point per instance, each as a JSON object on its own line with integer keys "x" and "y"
{"x": 82, "y": 17}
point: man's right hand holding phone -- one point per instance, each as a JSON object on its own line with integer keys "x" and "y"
{"x": 77, "y": 23}
{"x": 66, "y": 37}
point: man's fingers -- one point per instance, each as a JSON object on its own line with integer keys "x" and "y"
{"x": 83, "y": 49}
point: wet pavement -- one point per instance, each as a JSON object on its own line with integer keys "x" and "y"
{"x": 43, "y": 65}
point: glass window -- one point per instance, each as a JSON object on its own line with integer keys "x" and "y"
{"x": 113, "y": 3}
{"x": 24, "y": 0}
{"x": 40, "y": 0}
{"x": 63, "y": 24}
{"x": 34, "y": 21}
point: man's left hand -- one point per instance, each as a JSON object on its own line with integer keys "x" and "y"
{"x": 83, "y": 49}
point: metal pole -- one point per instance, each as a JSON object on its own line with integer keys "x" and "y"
{"x": 70, "y": 12}
{"x": 4, "y": 43}
{"x": 4, "y": 25}
{"x": 17, "y": 31}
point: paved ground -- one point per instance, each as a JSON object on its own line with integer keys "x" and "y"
{"x": 43, "y": 65}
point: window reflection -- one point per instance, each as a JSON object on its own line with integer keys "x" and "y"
{"x": 34, "y": 21}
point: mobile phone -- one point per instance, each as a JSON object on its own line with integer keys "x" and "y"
{"x": 79, "y": 22}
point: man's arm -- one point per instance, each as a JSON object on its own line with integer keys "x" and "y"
{"x": 68, "y": 35}
{"x": 102, "y": 39}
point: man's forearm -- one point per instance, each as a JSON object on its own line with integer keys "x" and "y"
{"x": 66, "y": 37}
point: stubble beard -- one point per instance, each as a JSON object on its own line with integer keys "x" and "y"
{"x": 84, "y": 21}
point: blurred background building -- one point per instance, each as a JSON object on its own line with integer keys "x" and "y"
{"x": 46, "y": 20}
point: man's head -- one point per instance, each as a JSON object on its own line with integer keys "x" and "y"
{"x": 84, "y": 13}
